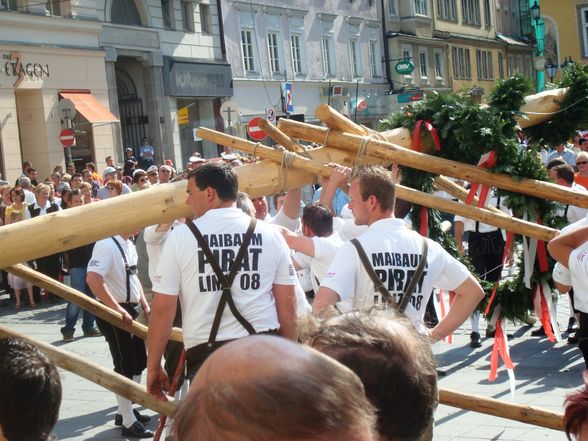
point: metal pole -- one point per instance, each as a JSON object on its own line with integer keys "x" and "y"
{"x": 356, "y": 98}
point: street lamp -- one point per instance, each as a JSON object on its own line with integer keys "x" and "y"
{"x": 551, "y": 70}
{"x": 567, "y": 62}
{"x": 535, "y": 12}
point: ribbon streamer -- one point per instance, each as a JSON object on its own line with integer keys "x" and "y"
{"x": 500, "y": 348}
{"x": 416, "y": 135}
{"x": 507, "y": 245}
{"x": 424, "y": 222}
{"x": 487, "y": 161}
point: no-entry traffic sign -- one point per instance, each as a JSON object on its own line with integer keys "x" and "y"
{"x": 254, "y": 130}
{"x": 67, "y": 137}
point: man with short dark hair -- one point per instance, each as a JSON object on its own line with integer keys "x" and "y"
{"x": 242, "y": 390}
{"x": 198, "y": 264}
{"x": 392, "y": 360}
{"x": 318, "y": 244}
{"x": 394, "y": 253}
{"x": 109, "y": 161}
{"x": 30, "y": 391}
{"x": 112, "y": 277}
{"x": 32, "y": 175}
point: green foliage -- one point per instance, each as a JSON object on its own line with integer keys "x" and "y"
{"x": 467, "y": 131}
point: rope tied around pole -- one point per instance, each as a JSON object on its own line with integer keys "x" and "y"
{"x": 361, "y": 151}
{"x": 326, "y": 137}
{"x": 374, "y": 133}
{"x": 255, "y": 150}
{"x": 285, "y": 164}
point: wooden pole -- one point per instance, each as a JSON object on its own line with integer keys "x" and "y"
{"x": 498, "y": 220}
{"x": 539, "y": 108}
{"x": 517, "y": 412}
{"x": 280, "y": 137}
{"x": 458, "y": 192}
{"x": 97, "y": 374}
{"x": 433, "y": 164}
{"x": 84, "y": 301}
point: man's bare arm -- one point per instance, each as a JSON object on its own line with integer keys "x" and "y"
{"x": 562, "y": 246}
{"x": 298, "y": 243}
{"x": 163, "y": 312}
{"x": 285, "y": 296}
{"x": 324, "y": 298}
{"x": 291, "y": 207}
{"x": 467, "y": 297}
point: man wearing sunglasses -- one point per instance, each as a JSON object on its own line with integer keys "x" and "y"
{"x": 112, "y": 277}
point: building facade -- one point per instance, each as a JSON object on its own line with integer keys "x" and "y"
{"x": 136, "y": 61}
{"x": 411, "y": 36}
{"x": 327, "y": 52}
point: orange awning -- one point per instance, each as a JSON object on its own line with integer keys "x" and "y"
{"x": 89, "y": 107}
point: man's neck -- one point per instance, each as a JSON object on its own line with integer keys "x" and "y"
{"x": 377, "y": 216}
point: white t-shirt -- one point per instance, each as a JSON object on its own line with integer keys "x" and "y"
{"x": 108, "y": 262}
{"x": 578, "y": 265}
{"x": 154, "y": 241}
{"x": 560, "y": 273}
{"x": 395, "y": 252}
{"x": 43, "y": 209}
{"x": 325, "y": 249}
{"x": 573, "y": 213}
{"x": 281, "y": 219}
{"x": 183, "y": 271}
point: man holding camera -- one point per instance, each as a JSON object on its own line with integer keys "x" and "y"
{"x": 112, "y": 277}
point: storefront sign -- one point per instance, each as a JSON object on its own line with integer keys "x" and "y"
{"x": 14, "y": 67}
{"x": 404, "y": 67}
{"x": 405, "y": 98}
{"x": 188, "y": 79}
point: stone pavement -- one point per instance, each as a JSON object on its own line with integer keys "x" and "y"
{"x": 545, "y": 373}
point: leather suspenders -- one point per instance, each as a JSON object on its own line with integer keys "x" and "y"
{"x": 400, "y": 306}
{"x": 127, "y": 269}
{"x": 226, "y": 280}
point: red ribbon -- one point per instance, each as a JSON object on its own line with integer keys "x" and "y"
{"x": 507, "y": 245}
{"x": 542, "y": 253}
{"x": 416, "y": 135}
{"x": 487, "y": 160}
{"x": 499, "y": 348}
{"x": 545, "y": 318}
{"x": 424, "y": 221}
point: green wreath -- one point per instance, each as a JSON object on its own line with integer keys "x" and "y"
{"x": 467, "y": 131}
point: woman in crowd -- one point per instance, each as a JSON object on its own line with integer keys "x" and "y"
{"x": 114, "y": 188}
{"x": 140, "y": 180}
{"x": 16, "y": 213}
{"x": 86, "y": 190}
{"x": 5, "y": 201}
{"x": 581, "y": 178}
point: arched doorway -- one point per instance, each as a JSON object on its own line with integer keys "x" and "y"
{"x": 133, "y": 120}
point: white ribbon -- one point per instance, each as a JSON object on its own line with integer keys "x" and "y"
{"x": 529, "y": 254}
{"x": 548, "y": 299}
{"x": 511, "y": 375}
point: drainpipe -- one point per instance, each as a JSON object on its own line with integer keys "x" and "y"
{"x": 386, "y": 50}
{"x": 221, "y": 30}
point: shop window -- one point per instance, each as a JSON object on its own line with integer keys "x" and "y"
{"x": 447, "y": 9}
{"x": 9, "y": 5}
{"x": 484, "y": 65}
{"x": 201, "y": 113}
{"x": 205, "y": 23}
{"x": 355, "y": 56}
{"x": 295, "y": 41}
{"x": 167, "y": 14}
{"x": 393, "y": 8}
{"x": 421, "y": 7}
{"x": 247, "y": 50}
{"x": 471, "y": 11}
{"x": 375, "y": 58}
{"x": 273, "y": 50}
{"x": 53, "y": 7}
{"x": 125, "y": 12}
{"x": 188, "y": 16}
{"x": 461, "y": 63}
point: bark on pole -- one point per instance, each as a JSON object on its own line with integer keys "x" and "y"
{"x": 315, "y": 168}
{"x": 432, "y": 164}
{"x": 97, "y": 374}
{"x": 85, "y": 302}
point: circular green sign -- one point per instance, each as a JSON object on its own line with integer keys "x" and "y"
{"x": 404, "y": 67}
